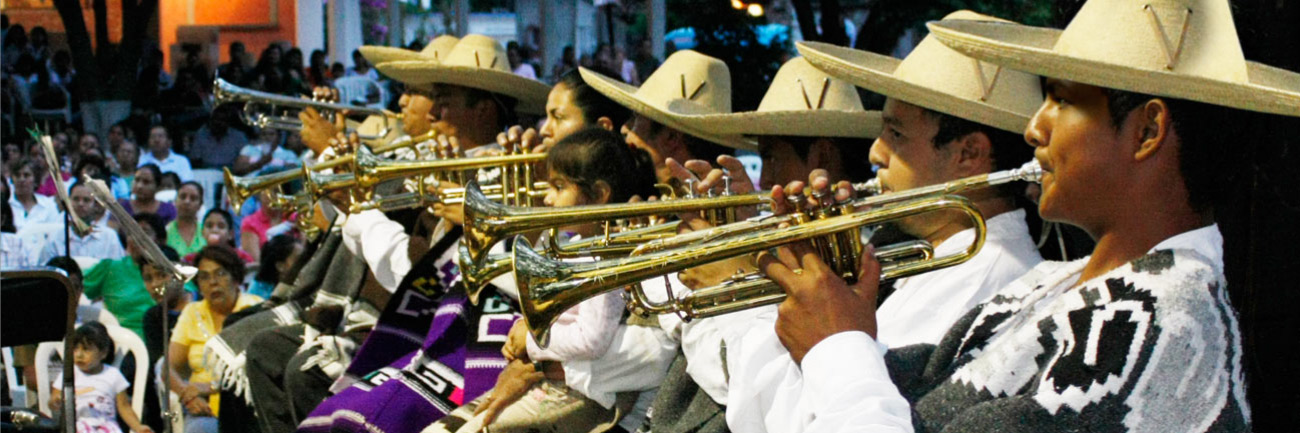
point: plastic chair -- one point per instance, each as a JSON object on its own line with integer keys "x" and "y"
{"x": 173, "y": 399}
{"x": 126, "y": 342}
{"x": 356, "y": 89}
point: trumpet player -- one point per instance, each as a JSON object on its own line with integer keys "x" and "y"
{"x": 1133, "y": 141}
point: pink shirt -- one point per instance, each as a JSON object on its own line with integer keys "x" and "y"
{"x": 47, "y": 187}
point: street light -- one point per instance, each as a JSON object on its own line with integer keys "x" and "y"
{"x": 737, "y": 4}
{"x": 754, "y": 9}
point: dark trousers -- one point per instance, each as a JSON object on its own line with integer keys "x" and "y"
{"x": 282, "y": 393}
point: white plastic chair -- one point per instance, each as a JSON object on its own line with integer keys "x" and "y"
{"x": 125, "y": 342}
{"x": 173, "y": 400}
{"x": 356, "y": 90}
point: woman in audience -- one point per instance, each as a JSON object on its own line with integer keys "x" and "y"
{"x": 254, "y": 229}
{"x": 278, "y": 255}
{"x": 92, "y": 165}
{"x": 29, "y": 207}
{"x": 218, "y": 229}
{"x": 185, "y": 234}
{"x": 219, "y": 277}
{"x": 145, "y": 187}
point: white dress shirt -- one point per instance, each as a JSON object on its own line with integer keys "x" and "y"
{"x": 46, "y": 210}
{"x": 174, "y": 163}
{"x": 101, "y": 243}
{"x": 771, "y": 393}
{"x": 382, "y": 243}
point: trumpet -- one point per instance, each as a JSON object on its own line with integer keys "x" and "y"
{"x": 450, "y": 196}
{"x": 239, "y": 189}
{"x": 549, "y": 287}
{"x": 269, "y": 110}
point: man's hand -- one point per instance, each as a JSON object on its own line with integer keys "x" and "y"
{"x": 715, "y": 273}
{"x": 518, "y": 138}
{"x": 516, "y": 346}
{"x": 515, "y": 381}
{"x": 452, "y": 213}
{"x": 318, "y": 130}
{"x": 819, "y": 303}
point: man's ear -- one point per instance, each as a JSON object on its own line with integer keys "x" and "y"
{"x": 605, "y": 122}
{"x": 1153, "y": 128}
{"x": 602, "y": 192}
{"x": 974, "y": 154}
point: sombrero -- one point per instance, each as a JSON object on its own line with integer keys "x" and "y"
{"x": 1186, "y": 49}
{"x": 802, "y": 101}
{"x": 477, "y": 62}
{"x": 937, "y": 78}
{"x": 688, "y": 83}
{"x": 435, "y": 50}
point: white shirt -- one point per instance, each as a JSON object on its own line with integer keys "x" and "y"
{"x": 174, "y": 163}
{"x": 12, "y": 252}
{"x": 382, "y": 243}
{"x": 770, "y": 387}
{"x": 46, "y": 210}
{"x": 846, "y": 385}
{"x": 101, "y": 243}
{"x": 96, "y": 393}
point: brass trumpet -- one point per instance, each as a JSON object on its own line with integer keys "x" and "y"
{"x": 239, "y": 189}
{"x": 549, "y": 287}
{"x": 269, "y": 110}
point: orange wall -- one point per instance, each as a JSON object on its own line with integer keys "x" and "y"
{"x": 49, "y": 18}
{"x": 173, "y": 14}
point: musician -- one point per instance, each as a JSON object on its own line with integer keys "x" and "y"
{"x": 1111, "y": 342}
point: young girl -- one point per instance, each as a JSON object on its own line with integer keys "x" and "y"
{"x": 101, "y": 389}
{"x": 218, "y": 229}
{"x": 591, "y": 166}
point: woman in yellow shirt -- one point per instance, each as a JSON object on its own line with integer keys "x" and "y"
{"x": 220, "y": 273}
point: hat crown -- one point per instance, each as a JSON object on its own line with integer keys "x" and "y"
{"x": 935, "y": 66}
{"x": 1192, "y": 37}
{"x": 800, "y": 86}
{"x": 440, "y": 46}
{"x": 689, "y": 83}
{"x": 478, "y": 51}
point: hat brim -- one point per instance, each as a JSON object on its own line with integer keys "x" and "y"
{"x": 875, "y": 72}
{"x": 531, "y": 94}
{"x": 625, "y": 94}
{"x": 1030, "y": 49}
{"x": 800, "y": 123}
{"x": 376, "y": 54}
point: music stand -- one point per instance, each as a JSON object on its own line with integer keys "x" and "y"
{"x": 29, "y": 299}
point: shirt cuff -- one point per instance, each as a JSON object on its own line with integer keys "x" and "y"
{"x": 846, "y": 357}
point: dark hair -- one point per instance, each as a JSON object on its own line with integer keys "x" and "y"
{"x": 699, "y": 147}
{"x": 595, "y": 154}
{"x": 1009, "y": 148}
{"x": 230, "y": 221}
{"x": 854, "y": 153}
{"x": 7, "y": 226}
{"x": 92, "y": 159}
{"x": 170, "y": 253}
{"x": 176, "y": 179}
{"x": 593, "y": 104}
{"x": 93, "y": 334}
{"x": 224, "y": 256}
{"x": 156, "y": 223}
{"x": 275, "y": 250}
{"x": 1205, "y": 159}
{"x": 194, "y": 184}
{"x": 505, "y": 105}
{"x": 67, "y": 264}
{"x": 154, "y": 170}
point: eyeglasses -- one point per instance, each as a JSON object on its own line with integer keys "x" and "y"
{"x": 209, "y": 276}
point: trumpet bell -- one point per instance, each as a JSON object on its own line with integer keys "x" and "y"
{"x": 544, "y": 295}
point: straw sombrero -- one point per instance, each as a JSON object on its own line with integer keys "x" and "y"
{"x": 1184, "y": 49}
{"x": 802, "y": 101}
{"x": 688, "y": 83}
{"x": 435, "y": 50}
{"x": 477, "y": 62}
{"x": 937, "y": 78}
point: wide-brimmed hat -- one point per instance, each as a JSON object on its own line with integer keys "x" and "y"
{"x": 935, "y": 77}
{"x": 688, "y": 83}
{"x": 477, "y": 62}
{"x": 802, "y": 101}
{"x": 435, "y": 50}
{"x": 1185, "y": 49}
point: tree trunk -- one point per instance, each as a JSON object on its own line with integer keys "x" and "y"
{"x": 101, "y": 24}
{"x": 83, "y": 57}
{"x": 833, "y": 23}
{"x": 803, "y": 11}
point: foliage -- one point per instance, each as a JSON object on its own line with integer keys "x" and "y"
{"x": 728, "y": 34}
{"x": 890, "y": 19}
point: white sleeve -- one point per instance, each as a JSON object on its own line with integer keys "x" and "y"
{"x": 848, "y": 387}
{"x": 117, "y": 381}
{"x": 587, "y": 337}
{"x": 383, "y": 245}
{"x": 184, "y": 170}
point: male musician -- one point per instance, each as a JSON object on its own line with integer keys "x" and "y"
{"x": 1138, "y": 336}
